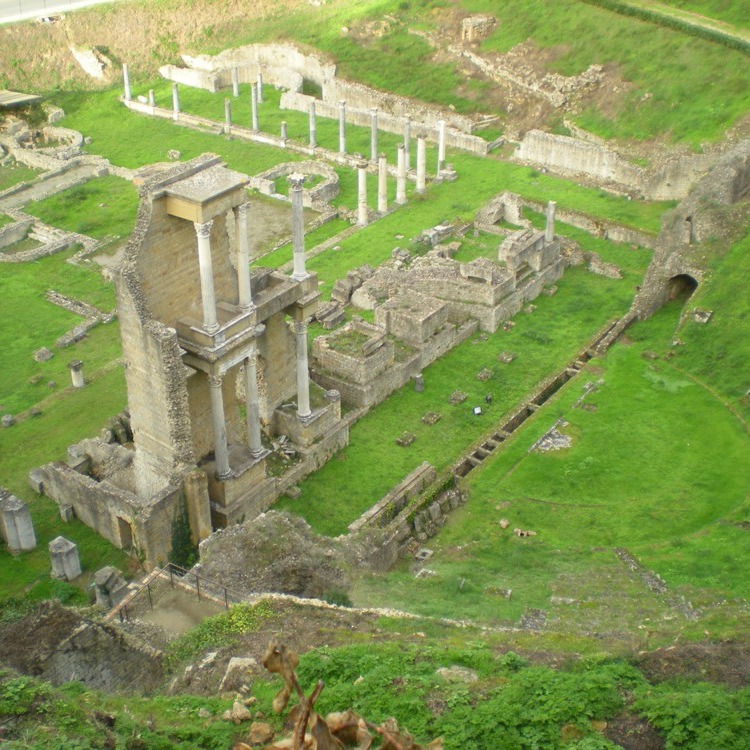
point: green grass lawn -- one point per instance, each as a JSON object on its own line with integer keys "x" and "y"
{"x": 543, "y": 342}
{"x": 655, "y": 469}
{"x": 103, "y": 207}
{"x": 12, "y": 175}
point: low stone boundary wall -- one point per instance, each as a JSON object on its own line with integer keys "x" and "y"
{"x": 393, "y": 503}
{"x": 15, "y": 232}
{"x": 316, "y": 196}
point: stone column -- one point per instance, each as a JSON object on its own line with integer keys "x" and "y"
{"x": 342, "y": 126}
{"x": 221, "y": 450}
{"x": 373, "y": 134}
{"x": 151, "y": 98}
{"x": 252, "y": 406}
{"x": 227, "y": 115}
{"x": 362, "y": 193}
{"x": 284, "y": 131}
{"x": 260, "y": 86}
{"x": 175, "y": 101}
{"x": 235, "y": 82}
{"x": 441, "y": 145}
{"x": 64, "y": 558}
{"x": 243, "y": 258}
{"x": 549, "y": 229}
{"x": 298, "y": 227}
{"x": 401, "y": 175}
{"x": 76, "y": 373}
{"x": 407, "y": 143}
{"x": 313, "y": 142}
{"x": 254, "y": 105}
{"x": 382, "y": 184}
{"x": 303, "y": 376}
{"x": 421, "y": 164}
{"x": 126, "y": 83}
{"x": 208, "y": 295}
{"x": 17, "y": 525}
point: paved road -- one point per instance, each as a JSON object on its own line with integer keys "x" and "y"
{"x": 19, "y": 10}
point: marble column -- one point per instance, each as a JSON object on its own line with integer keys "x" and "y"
{"x": 382, "y": 184}
{"x": 342, "y": 126}
{"x": 252, "y": 406}
{"x": 235, "y": 82}
{"x": 221, "y": 450}
{"x": 313, "y": 142}
{"x": 373, "y": 134}
{"x": 227, "y": 115}
{"x": 303, "y": 375}
{"x": 254, "y": 105}
{"x": 421, "y": 163}
{"x": 151, "y": 98}
{"x": 362, "y": 193}
{"x": 298, "y": 226}
{"x": 401, "y": 175}
{"x": 441, "y": 145}
{"x": 243, "y": 258}
{"x": 549, "y": 229}
{"x": 284, "y": 131}
{"x": 260, "y": 86}
{"x": 407, "y": 143}
{"x": 208, "y": 295}
{"x": 126, "y": 83}
{"x": 175, "y": 101}
{"x": 76, "y": 373}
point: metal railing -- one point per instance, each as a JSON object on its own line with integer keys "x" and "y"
{"x": 171, "y": 577}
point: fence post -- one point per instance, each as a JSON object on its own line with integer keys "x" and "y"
{"x": 150, "y": 600}
{"x": 171, "y": 576}
{"x": 198, "y": 586}
{"x": 226, "y": 599}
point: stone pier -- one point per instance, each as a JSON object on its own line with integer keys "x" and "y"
{"x": 362, "y": 193}
{"x": 126, "y": 83}
{"x": 382, "y": 184}
{"x": 549, "y": 229}
{"x": 374, "y": 134}
{"x": 298, "y": 227}
{"x": 76, "y": 373}
{"x": 421, "y": 164}
{"x": 175, "y": 101}
{"x": 254, "y": 105}
{"x": 15, "y": 523}
{"x": 401, "y": 175}
{"x": 313, "y": 142}
{"x": 64, "y": 559}
{"x": 342, "y": 126}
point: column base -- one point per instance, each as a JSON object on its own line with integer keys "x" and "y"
{"x": 305, "y": 418}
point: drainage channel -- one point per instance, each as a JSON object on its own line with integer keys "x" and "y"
{"x": 600, "y": 344}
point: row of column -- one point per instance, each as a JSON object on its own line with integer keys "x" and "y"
{"x": 256, "y": 97}
{"x": 210, "y": 322}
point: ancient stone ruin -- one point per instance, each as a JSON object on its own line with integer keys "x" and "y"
{"x": 203, "y": 338}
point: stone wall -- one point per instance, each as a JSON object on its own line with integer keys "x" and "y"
{"x": 316, "y": 197}
{"x": 14, "y": 232}
{"x": 671, "y": 180}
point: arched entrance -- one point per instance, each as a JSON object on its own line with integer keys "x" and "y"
{"x": 681, "y": 286}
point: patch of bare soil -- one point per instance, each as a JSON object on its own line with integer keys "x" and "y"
{"x": 25, "y": 643}
{"x": 144, "y": 35}
{"x": 633, "y": 733}
{"x": 724, "y": 663}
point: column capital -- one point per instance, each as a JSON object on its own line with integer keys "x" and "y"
{"x": 242, "y": 210}
{"x": 296, "y": 180}
{"x": 215, "y": 381}
{"x": 300, "y": 327}
{"x": 362, "y": 164}
{"x": 203, "y": 229}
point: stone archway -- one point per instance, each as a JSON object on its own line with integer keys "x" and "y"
{"x": 681, "y": 286}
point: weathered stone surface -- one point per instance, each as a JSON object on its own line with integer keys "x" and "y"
{"x": 260, "y": 733}
{"x": 43, "y": 354}
{"x": 458, "y": 674}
